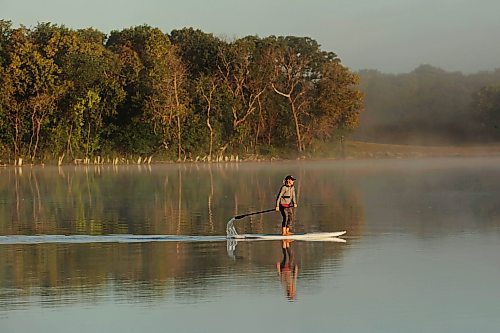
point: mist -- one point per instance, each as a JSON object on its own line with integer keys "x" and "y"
{"x": 430, "y": 106}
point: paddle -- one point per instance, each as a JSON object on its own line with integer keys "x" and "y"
{"x": 254, "y": 213}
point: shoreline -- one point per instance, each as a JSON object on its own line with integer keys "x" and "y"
{"x": 353, "y": 150}
{"x": 363, "y": 150}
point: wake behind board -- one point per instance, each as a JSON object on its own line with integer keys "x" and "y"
{"x": 127, "y": 238}
{"x": 314, "y": 236}
{"x": 116, "y": 238}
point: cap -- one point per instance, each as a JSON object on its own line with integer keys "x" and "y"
{"x": 290, "y": 177}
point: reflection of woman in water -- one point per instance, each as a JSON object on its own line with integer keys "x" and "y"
{"x": 288, "y": 270}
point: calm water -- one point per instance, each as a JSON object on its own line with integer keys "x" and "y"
{"x": 422, "y": 250}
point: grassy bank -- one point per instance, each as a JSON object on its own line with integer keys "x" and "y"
{"x": 357, "y": 149}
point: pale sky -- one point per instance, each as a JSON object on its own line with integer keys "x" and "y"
{"x": 393, "y": 36}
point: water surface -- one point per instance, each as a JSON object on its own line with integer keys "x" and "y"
{"x": 421, "y": 251}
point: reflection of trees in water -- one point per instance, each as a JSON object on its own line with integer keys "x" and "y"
{"x": 167, "y": 199}
{"x": 55, "y": 271}
{"x": 57, "y": 274}
{"x": 331, "y": 202}
{"x": 173, "y": 199}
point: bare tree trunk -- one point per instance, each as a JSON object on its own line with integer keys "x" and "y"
{"x": 17, "y": 137}
{"x": 259, "y": 123}
{"x": 294, "y": 114}
{"x": 211, "y": 143}
{"x": 88, "y": 142}
{"x": 68, "y": 148}
{"x": 32, "y": 134}
{"x": 208, "y": 99}
{"x": 37, "y": 138}
{"x": 178, "y": 107}
{"x": 296, "y": 121}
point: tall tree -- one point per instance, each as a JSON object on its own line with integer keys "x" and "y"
{"x": 207, "y": 87}
{"x": 35, "y": 86}
{"x": 487, "y": 104}
{"x": 339, "y": 103}
{"x": 162, "y": 81}
{"x": 244, "y": 82}
{"x": 199, "y": 51}
{"x": 292, "y": 81}
{"x": 94, "y": 91}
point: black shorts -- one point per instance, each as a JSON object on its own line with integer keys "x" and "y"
{"x": 288, "y": 215}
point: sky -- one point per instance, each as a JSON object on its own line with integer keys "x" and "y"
{"x": 392, "y": 36}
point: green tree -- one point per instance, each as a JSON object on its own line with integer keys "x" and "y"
{"x": 297, "y": 64}
{"x": 97, "y": 91}
{"x": 207, "y": 87}
{"x": 244, "y": 82}
{"x": 155, "y": 82}
{"x": 339, "y": 103}
{"x": 128, "y": 131}
{"x": 33, "y": 87}
{"x": 5, "y": 93}
{"x": 198, "y": 50}
{"x": 168, "y": 102}
{"x": 487, "y": 103}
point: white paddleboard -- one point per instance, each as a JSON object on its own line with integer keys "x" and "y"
{"x": 313, "y": 236}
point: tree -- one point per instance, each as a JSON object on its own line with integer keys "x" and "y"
{"x": 128, "y": 131}
{"x": 207, "y": 87}
{"x": 177, "y": 100}
{"x": 5, "y": 33}
{"x": 244, "y": 81}
{"x": 296, "y": 68}
{"x": 32, "y": 89}
{"x": 199, "y": 51}
{"x": 161, "y": 84}
{"x": 94, "y": 89}
{"x": 487, "y": 104}
{"x": 339, "y": 103}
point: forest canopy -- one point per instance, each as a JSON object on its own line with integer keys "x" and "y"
{"x": 82, "y": 93}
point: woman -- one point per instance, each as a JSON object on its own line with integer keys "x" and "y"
{"x": 285, "y": 203}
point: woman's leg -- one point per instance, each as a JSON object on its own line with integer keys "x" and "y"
{"x": 289, "y": 221}
{"x": 284, "y": 220}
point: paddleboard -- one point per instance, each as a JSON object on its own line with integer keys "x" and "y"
{"x": 313, "y": 236}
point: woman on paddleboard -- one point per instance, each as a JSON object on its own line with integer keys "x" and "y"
{"x": 285, "y": 203}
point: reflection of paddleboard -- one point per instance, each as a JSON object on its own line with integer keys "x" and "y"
{"x": 314, "y": 236}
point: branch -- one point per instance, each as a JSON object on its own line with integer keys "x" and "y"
{"x": 279, "y": 92}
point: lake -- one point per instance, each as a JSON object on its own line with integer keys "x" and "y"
{"x": 421, "y": 252}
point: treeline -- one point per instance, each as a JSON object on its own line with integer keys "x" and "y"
{"x": 430, "y": 106}
{"x": 82, "y": 93}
